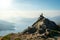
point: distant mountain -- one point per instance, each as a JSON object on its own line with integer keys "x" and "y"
{"x": 56, "y": 19}
{"x": 4, "y": 25}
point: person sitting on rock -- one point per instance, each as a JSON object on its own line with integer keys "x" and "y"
{"x": 41, "y": 16}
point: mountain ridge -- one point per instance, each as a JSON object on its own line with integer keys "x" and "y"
{"x": 42, "y": 29}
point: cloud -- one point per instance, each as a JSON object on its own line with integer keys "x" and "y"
{"x": 23, "y": 23}
{"x": 11, "y": 15}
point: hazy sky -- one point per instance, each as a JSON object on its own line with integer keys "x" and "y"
{"x": 20, "y": 11}
{"x": 28, "y": 8}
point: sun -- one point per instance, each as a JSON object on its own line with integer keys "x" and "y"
{"x": 5, "y": 3}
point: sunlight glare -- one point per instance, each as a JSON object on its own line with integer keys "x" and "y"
{"x": 5, "y": 3}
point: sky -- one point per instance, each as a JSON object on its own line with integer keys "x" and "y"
{"x": 23, "y": 13}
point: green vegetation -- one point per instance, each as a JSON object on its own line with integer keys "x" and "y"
{"x": 17, "y": 39}
{"x": 6, "y": 37}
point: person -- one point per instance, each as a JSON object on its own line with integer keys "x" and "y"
{"x": 41, "y": 16}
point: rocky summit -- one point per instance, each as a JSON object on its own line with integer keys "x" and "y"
{"x": 42, "y": 29}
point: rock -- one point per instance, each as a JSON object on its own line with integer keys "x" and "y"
{"x": 43, "y": 26}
